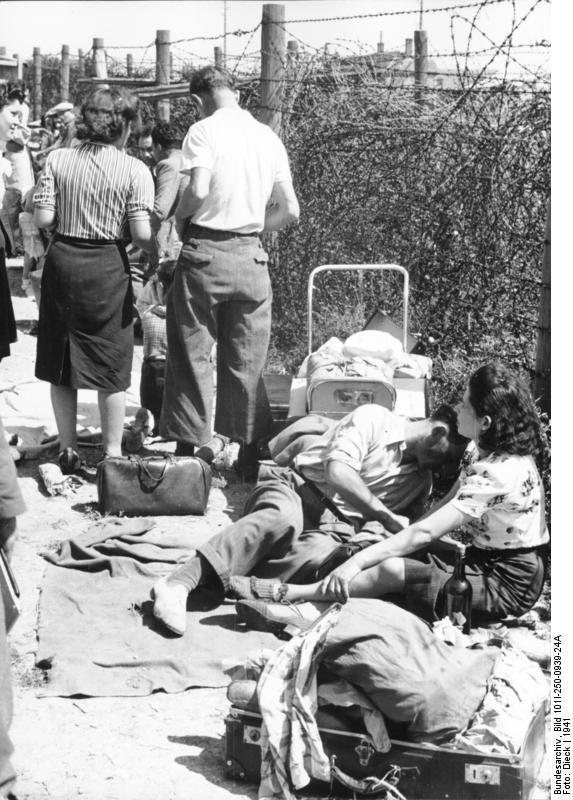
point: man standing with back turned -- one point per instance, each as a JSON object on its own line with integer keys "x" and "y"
{"x": 240, "y": 185}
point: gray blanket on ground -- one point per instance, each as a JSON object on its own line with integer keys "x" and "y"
{"x": 97, "y": 633}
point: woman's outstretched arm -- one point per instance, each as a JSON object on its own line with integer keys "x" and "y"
{"x": 414, "y": 537}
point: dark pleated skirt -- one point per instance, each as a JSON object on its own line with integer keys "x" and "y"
{"x": 85, "y": 332}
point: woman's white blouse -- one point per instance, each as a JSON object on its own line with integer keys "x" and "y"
{"x": 504, "y": 496}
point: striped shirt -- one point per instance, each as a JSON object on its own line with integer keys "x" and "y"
{"x": 95, "y": 189}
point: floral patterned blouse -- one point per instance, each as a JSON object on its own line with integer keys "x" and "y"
{"x": 503, "y": 494}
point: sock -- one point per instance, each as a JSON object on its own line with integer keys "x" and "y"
{"x": 189, "y": 574}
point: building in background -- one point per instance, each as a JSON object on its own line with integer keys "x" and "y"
{"x": 10, "y": 67}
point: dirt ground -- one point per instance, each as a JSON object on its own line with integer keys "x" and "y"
{"x": 160, "y": 747}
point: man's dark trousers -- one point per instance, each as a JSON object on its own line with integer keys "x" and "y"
{"x": 221, "y": 292}
{"x": 285, "y": 533}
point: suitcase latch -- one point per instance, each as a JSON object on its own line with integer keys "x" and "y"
{"x": 483, "y": 773}
{"x": 252, "y": 735}
{"x": 364, "y": 751}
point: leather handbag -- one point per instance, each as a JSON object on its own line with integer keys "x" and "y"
{"x": 154, "y": 486}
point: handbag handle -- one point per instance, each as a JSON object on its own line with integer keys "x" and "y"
{"x": 147, "y": 480}
{"x": 370, "y": 787}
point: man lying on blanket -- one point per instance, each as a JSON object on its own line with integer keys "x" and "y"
{"x": 367, "y": 475}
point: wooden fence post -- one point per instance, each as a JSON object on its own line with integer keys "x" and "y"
{"x": 218, "y": 57}
{"x": 543, "y": 356}
{"x": 100, "y": 65}
{"x": 420, "y": 64}
{"x": 37, "y": 84}
{"x": 129, "y": 64}
{"x": 273, "y": 57}
{"x": 19, "y": 66}
{"x": 162, "y": 72}
{"x": 81, "y": 63}
{"x": 65, "y": 73}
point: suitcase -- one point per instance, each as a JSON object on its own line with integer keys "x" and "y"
{"x": 340, "y": 395}
{"x": 419, "y": 771}
{"x": 337, "y": 397}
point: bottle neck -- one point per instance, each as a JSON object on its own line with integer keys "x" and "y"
{"x": 460, "y": 563}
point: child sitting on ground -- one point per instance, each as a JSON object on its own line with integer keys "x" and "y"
{"x": 151, "y": 308}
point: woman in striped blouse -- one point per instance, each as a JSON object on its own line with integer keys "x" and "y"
{"x": 97, "y": 198}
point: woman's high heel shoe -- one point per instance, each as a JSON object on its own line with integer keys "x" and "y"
{"x": 70, "y": 461}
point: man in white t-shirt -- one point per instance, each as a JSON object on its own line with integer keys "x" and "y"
{"x": 370, "y": 469}
{"x": 240, "y": 185}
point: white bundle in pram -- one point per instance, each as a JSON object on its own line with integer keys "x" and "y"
{"x": 343, "y": 375}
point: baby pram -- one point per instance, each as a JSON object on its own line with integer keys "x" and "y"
{"x": 336, "y": 385}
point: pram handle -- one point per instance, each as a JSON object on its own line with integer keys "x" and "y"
{"x": 354, "y": 268}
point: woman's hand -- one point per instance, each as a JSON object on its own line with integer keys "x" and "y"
{"x": 337, "y": 584}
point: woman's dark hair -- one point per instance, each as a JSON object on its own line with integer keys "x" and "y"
{"x": 499, "y": 393}
{"x": 16, "y": 94}
{"x": 104, "y": 113}
{"x": 16, "y": 90}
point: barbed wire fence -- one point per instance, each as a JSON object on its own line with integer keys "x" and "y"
{"x": 449, "y": 179}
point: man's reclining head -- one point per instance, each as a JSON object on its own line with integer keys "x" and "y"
{"x": 435, "y": 441}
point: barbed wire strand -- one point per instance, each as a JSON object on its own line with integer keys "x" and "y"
{"x": 476, "y": 79}
{"x": 403, "y": 12}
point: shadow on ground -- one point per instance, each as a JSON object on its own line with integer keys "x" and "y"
{"x": 210, "y": 763}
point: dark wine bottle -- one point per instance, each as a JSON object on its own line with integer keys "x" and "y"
{"x": 458, "y": 594}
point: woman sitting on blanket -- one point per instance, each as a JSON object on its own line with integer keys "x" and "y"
{"x": 498, "y": 500}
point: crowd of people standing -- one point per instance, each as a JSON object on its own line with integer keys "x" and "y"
{"x": 205, "y": 204}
